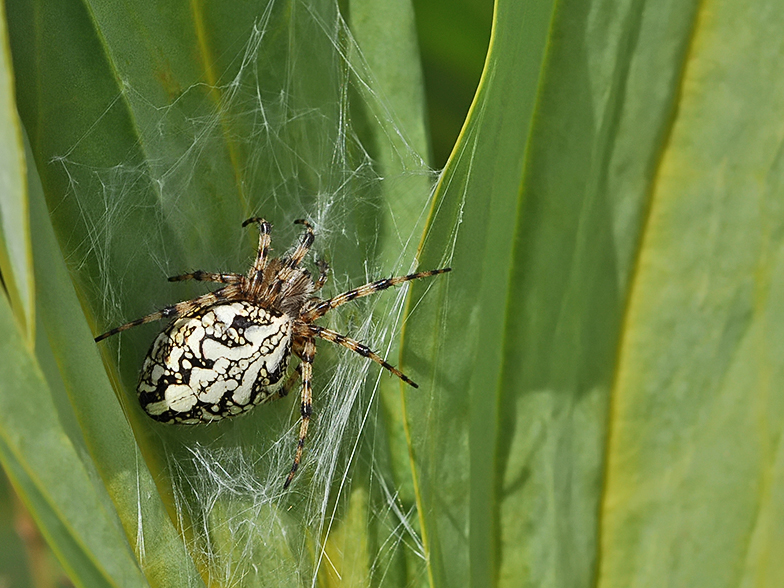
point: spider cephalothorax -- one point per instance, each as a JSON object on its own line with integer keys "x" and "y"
{"x": 229, "y": 350}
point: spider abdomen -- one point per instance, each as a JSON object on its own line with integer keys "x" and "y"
{"x": 215, "y": 363}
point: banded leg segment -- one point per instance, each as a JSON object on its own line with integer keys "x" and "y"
{"x": 202, "y": 276}
{"x": 304, "y": 245}
{"x": 357, "y": 347}
{"x": 226, "y": 294}
{"x": 256, "y": 272}
{"x": 306, "y": 408}
{"x": 323, "y": 267}
{"x": 325, "y": 306}
{"x": 290, "y": 381}
{"x": 296, "y": 348}
{"x": 290, "y": 263}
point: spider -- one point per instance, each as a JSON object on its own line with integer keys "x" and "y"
{"x": 227, "y": 351}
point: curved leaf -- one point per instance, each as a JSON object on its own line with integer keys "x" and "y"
{"x": 156, "y": 131}
{"x": 694, "y": 479}
{"x": 599, "y": 370}
{"x": 100, "y": 427}
{"x": 47, "y": 471}
{"x": 16, "y": 264}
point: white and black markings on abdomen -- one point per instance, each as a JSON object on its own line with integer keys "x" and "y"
{"x": 216, "y": 363}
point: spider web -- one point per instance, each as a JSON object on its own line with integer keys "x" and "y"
{"x": 299, "y": 148}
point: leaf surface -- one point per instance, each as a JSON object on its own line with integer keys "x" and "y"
{"x": 16, "y": 264}
{"x": 74, "y": 513}
{"x": 598, "y": 366}
{"x": 156, "y": 131}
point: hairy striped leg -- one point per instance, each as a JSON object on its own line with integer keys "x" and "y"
{"x": 290, "y": 381}
{"x": 228, "y": 293}
{"x": 304, "y": 245}
{"x": 306, "y": 408}
{"x": 297, "y": 347}
{"x": 202, "y": 276}
{"x": 323, "y": 267}
{"x": 290, "y": 264}
{"x": 323, "y": 307}
{"x": 356, "y": 347}
{"x": 256, "y": 272}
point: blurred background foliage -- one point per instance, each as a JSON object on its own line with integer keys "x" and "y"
{"x": 453, "y": 40}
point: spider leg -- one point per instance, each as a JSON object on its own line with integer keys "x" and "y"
{"x": 306, "y": 409}
{"x": 324, "y": 306}
{"x": 290, "y": 263}
{"x": 323, "y": 267}
{"x": 304, "y": 245}
{"x": 356, "y": 347}
{"x": 256, "y": 271}
{"x": 202, "y": 276}
{"x": 290, "y": 381}
{"x": 230, "y": 292}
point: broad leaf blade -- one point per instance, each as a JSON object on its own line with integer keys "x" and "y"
{"x": 456, "y": 333}
{"x": 98, "y": 422}
{"x": 75, "y": 514}
{"x": 182, "y": 121}
{"x": 16, "y": 265}
{"x": 694, "y": 484}
{"x": 603, "y": 367}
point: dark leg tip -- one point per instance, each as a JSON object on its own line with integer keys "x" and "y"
{"x": 290, "y": 477}
{"x": 256, "y": 219}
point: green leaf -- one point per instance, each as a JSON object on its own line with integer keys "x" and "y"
{"x": 695, "y": 481}
{"x": 56, "y": 485}
{"x": 156, "y": 131}
{"x": 600, "y": 370}
{"x": 16, "y": 264}
{"x": 96, "y": 419}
